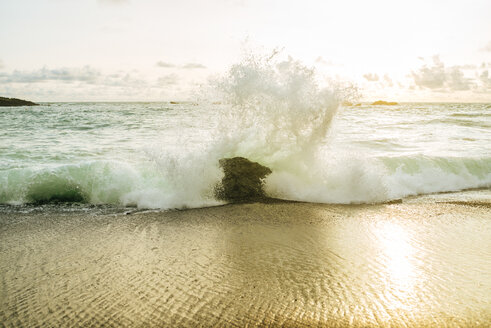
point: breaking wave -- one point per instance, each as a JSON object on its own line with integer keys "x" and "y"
{"x": 340, "y": 179}
{"x": 275, "y": 112}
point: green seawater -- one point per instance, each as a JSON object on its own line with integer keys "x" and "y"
{"x": 162, "y": 155}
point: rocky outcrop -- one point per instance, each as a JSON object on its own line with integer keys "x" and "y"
{"x": 384, "y": 103}
{"x": 350, "y": 104}
{"x": 243, "y": 180}
{"x": 10, "y": 102}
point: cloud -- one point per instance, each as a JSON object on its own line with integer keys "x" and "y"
{"x": 165, "y": 64}
{"x": 193, "y": 66}
{"x": 467, "y": 66}
{"x": 371, "y": 77}
{"x": 170, "y": 79}
{"x": 456, "y": 81}
{"x": 438, "y": 77}
{"x": 122, "y": 79}
{"x": 84, "y": 74}
{"x": 388, "y": 80}
{"x": 485, "y": 79}
{"x": 88, "y": 83}
{"x": 322, "y": 61}
{"x": 430, "y": 77}
{"x": 487, "y": 47}
{"x": 1, "y": 64}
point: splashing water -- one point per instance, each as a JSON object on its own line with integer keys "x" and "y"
{"x": 277, "y": 110}
{"x": 280, "y": 117}
{"x": 272, "y": 111}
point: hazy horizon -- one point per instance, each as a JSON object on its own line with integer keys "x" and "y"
{"x": 190, "y": 101}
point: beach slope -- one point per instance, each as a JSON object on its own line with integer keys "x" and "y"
{"x": 275, "y": 264}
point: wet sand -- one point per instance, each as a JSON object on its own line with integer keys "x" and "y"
{"x": 277, "y": 264}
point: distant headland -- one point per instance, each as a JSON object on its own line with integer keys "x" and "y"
{"x": 376, "y": 103}
{"x": 10, "y": 102}
{"x": 385, "y": 103}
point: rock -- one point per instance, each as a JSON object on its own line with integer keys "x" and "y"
{"x": 243, "y": 180}
{"x": 385, "y": 103}
{"x": 10, "y": 102}
{"x": 349, "y": 104}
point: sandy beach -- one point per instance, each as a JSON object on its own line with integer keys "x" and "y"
{"x": 287, "y": 264}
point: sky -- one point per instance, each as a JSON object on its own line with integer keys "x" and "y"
{"x": 148, "y": 50}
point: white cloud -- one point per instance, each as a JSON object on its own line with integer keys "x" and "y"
{"x": 84, "y": 74}
{"x": 1, "y": 64}
{"x": 437, "y": 77}
{"x": 467, "y": 66}
{"x": 485, "y": 79}
{"x": 164, "y": 64}
{"x": 193, "y": 66}
{"x": 388, "y": 80}
{"x": 456, "y": 79}
{"x": 322, "y": 61}
{"x": 167, "y": 80}
{"x": 371, "y": 77}
{"x": 432, "y": 77}
{"x": 90, "y": 84}
{"x": 122, "y": 79}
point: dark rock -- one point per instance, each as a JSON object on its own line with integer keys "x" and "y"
{"x": 385, "y": 103}
{"x": 10, "y": 102}
{"x": 243, "y": 180}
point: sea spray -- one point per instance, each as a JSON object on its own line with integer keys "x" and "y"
{"x": 275, "y": 111}
{"x": 270, "y": 110}
{"x": 279, "y": 116}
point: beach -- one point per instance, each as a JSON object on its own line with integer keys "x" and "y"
{"x": 417, "y": 262}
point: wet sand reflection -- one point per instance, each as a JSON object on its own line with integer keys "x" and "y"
{"x": 285, "y": 264}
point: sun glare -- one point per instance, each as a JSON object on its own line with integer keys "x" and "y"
{"x": 396, "y": 254}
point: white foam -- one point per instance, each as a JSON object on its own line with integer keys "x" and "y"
{"x": 274, "y": 112}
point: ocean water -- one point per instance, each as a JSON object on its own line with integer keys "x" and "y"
{"x": 165, "y": 155}
{"x": 162, "y": 155}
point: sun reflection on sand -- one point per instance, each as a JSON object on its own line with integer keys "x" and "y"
{"x": 397, "y": 254}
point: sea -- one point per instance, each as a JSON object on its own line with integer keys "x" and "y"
{"x": 165, "y": 155}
